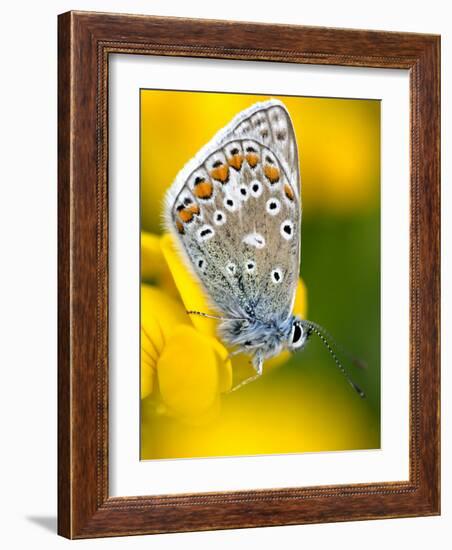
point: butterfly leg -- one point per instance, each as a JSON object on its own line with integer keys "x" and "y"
{"x": 258, "y": 364}
{"x": 202, "y": 314}
{"x": 244, "y": 382}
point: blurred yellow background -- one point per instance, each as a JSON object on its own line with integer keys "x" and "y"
{"x": 304, "y": 404}
{"x": 338, "y": 142}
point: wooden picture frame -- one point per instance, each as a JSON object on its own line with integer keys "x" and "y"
{"x": 85, "y": 42}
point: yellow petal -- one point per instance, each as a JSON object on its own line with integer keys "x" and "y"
{"x": 160, "y": 314}
{"x": 188, "y": 372}
{"x": 154, "y": 268}
{"x": 147, "y": 367}
{"x": 190, "y": 289}
{"x": 224, "y": 366}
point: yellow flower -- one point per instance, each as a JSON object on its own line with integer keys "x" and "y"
{"x": 184, "y": 366}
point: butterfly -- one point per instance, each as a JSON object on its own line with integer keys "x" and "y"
{"x": 235, "y": 213}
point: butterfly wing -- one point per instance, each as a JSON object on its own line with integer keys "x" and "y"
{"x": 269, "y": 124}
{"x": 235, "y": 211}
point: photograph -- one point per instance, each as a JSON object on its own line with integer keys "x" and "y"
{"x": 260, "y": 274}
{"x": 248, "y": 274}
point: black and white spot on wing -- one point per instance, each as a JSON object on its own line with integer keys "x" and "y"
{"x": 231, "y": 203}
{"x": 254, "y": 239}
{"x": 205, "y": 232}
{"x": 244, "y": 193}
{"x": 256, "y": 189}
{"x": 201, "y": 264}
{"x": 287, "y": 229}
{"x": 231, "y": 268}
{"x": 277, "y": 276}
{"x": 219, "y": 217}
{"x": 273, "y": 206}
{"x": 250, "y": 266}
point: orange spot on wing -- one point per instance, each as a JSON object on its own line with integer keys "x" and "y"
{"x": 180, "y": 227}
{"x": 236, "y": 161}
{"x": 220, "y": 173}
{"x": 193, "y": 208}
{"x": 271, "y": 173}
{"x": 186, "y": 215}
{"x": 203, "y": 190}
{"x": 289, "y": 192}
{"x": 252, "y": 159}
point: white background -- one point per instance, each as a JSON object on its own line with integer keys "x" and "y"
{"x": 28, "y": 271}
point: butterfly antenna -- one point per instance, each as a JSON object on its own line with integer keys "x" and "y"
{"x": 319, "y": 331}
{"x": 353, "y": 360}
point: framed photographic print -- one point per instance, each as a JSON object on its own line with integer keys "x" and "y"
{"x": 248, "y": 275}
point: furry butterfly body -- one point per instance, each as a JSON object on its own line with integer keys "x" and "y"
{"x": 235, "y": 211}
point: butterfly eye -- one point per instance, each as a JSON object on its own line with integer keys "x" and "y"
{"x": 297, "y": 335}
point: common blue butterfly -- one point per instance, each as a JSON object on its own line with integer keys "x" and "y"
{"x": 235, "y": 212}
